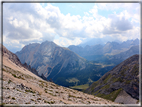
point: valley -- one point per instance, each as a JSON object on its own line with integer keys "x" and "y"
{"x": 70, "y": 53}
{"x": 62, "y": 65}
{"x": 21, "y": 86}
{"x": 49, "y": 74}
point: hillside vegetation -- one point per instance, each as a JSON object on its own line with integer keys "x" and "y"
{"x": 124, "y": 78}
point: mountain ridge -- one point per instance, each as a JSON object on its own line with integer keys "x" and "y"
{"x": 109, "y": 52}
{"x": 123, "y": 77}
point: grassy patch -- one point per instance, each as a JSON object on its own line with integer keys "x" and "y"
{"x": 46, "y": 102}
{"x": 13, "y": 98}
{"x": 14, "y": 73}
{"x": 127, "y": 81}
{"x": 52, "y": 94}
{"x": 94, "y": 85}
{"x": 31, "y": 91}
{"x": 135, "y": 70}
{"x": 105, "y": 87}
{"x": 71, "y": 95}
{"x": 3, "y": 69}
{"x": 82, "y": 87}
{"x": 32, "y": 100}
{"x": 72, "y": 80}
{"x": 38, "y": 98}
{"x": 9, "y": 97}
{"x": 112, "y": 96}
{"x": 108, "y": 77}
{"x": 9, "y": 81}
{"x": 41, "y": 85}
{"x": 51, "y": 102}
{"x": 45, "y": 91}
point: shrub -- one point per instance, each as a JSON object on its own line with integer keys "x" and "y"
{"x": 13, "y": 98}
{"x": 9, "y": 81}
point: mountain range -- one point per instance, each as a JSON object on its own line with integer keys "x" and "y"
{"x": 60, "y": 64}
{"x": 108, "y": 52}
{"x": 21, "y": 86}
{"x": 50, "y": 61}
{"x": 96, "y": 41}
{"x": 65, "y": 66}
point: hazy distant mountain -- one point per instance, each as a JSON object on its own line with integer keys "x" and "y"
{"x": 97, "y": 52}
{"x": 128, "y": 43}
{"x": 124, "y": 55}
{"x": 87, "y": 50}
{"x": 95, "y": 41}
{"x": 60, "y": 64}
{"x": 121, "y": 84}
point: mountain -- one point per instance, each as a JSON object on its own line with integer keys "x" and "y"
{"x": 124, "y": 55}
{"x": 121, "y": 84}
{"x": 106, "y": 53}
{"x": 93, "y": 41}
{"x": 96, "y": 41}
{"x": 87, "y": 50}
{"x": 21, "y": 86}
{"x": 60, "y": 64}
{"x": 103, "y": 41}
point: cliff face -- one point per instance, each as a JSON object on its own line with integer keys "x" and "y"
{"x": 124, "y": 77}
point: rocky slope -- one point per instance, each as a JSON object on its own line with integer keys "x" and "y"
{"x": 9, "y": 56}
{"x": 20, "y": 86}
{"x": 60, "y": 64}
{"x": 120, "y": 83}
{"x": 6, "y": 53}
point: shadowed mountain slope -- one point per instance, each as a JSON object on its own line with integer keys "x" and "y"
{"x": 124, "y": 78}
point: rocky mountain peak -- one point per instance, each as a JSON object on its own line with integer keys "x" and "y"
{"x": 51, "y": 60}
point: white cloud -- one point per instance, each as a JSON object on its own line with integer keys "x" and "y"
{"x": 33, "y": 23}
{"x": 94, "y": 11}
{"x": 64, "y": 42}
{"x": 86, "y": 13}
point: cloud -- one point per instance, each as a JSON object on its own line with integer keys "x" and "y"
{"x": 30, "y": 22}
{"x": 117, "y": 25}
{"x": 64, "y": 42}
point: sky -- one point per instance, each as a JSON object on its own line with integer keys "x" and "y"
{"x": 68, "y": 23}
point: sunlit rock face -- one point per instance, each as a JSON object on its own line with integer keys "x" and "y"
{"x": 51, "y": 60}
